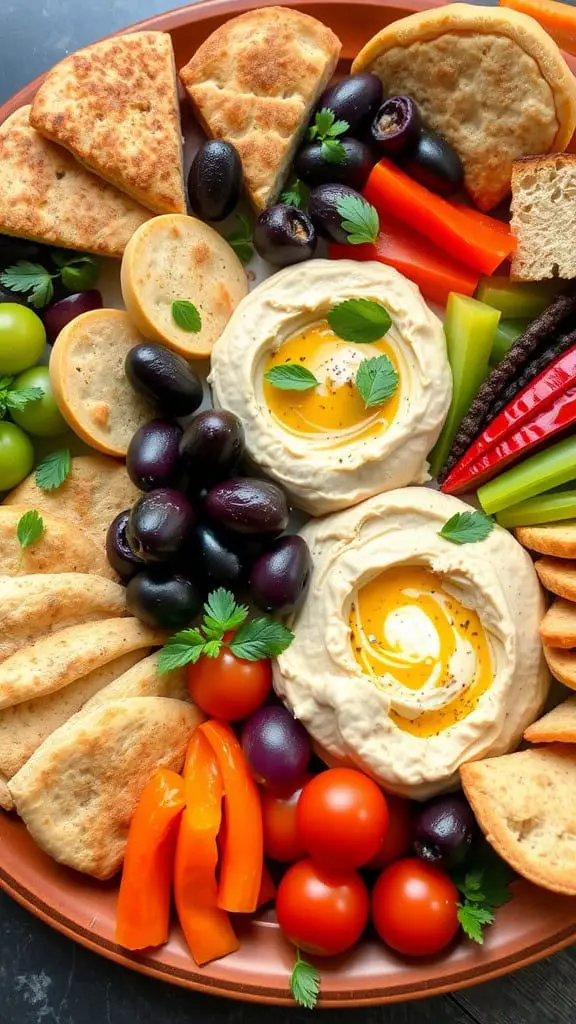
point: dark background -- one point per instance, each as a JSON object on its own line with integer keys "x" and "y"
{"x": 47, "y": 979}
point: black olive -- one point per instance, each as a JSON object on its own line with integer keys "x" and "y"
{"x": 434, "y": 163}
{"x": 444, "y": 830}
{"x": 323, "y": 207}
{"x": 396, "y": 125}
{"x": 313, "y": 168}
{"x": 215, "y": 180}
{"x": 284, "y": 235}
{"x": 354, "y": 99}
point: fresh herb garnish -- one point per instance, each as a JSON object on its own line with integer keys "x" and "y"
{"x": 53, "y": 470}
{"x": 376, "y": 380}
{"x": 484, "y": 888}
{"x": 467, "y": 527}
{"x": 241, "y": 241}
{"x": 186, "y": 316}
{"x": 29, "y": 529}
{"x": 359, "y": 320}
{"x": 291, "y": 377}
{"x": 360, "y": 219}
{"x": 259, "y": 638}
{"x": 296, "y": 195}
{"x": 77, "y": 271}
{"x": 16, "y": 398}
{"x": 326, "y": 129}
{"x": 304, "y": 983}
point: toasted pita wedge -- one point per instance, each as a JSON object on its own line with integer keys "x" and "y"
{"x": 114, "y": 105}
{"x": 558, "y": 627}
{"x": 558, "y": 575}
{"x": 59, "y": 549}
{"x": 524, "y": 804}
{"x": 56, "y": 661}
{"x": 557, "y": 539}
{"x": 97, "y": 489}
{"x": 35, "y": 606}
{"x": 47, "y": 196}
{"x": 255, "y": 82}
{"x": 78, "y": 792}
{"x": 562, "y": 664}
{"x": 143, "y": 680}
{"x": 558, "y": 726}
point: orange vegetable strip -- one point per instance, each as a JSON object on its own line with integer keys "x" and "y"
{"x": 471, "y": 239}
{"x": 242, "y": 845}
{"x": 143, "y": 913}
{"x": 558, "y": 19}
{"x": 207, "y": 929}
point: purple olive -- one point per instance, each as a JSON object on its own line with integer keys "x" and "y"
{"x": 248, "y": 506}
{"x": 280, "y": 577}
{"x": 434, "y": 163}
{"x": 153, "y": 456}
{"x": 60, "y": 313}
{"x": 275, "y": 745}
{"x": 163, "y": 601}
{"x": 215, "y": 180}
{"x": 313, "y": 168}
{"x": 323, "y": 207}
{"x": 443, "y": 830}
{"x": 212, "y": 445}
{"x": 396, "y": 125}
{"x": 160, "y": 525}
{"x": 164, "y": 378}
{"x": 118, "y": 551}
{"x": 354, "y": 99}
{"x": 284, "y": 235}
{"x": 220, "y": 565}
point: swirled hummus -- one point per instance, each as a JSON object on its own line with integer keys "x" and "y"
{"x": 413, "y": 654}
{"x": 324, "y": 445}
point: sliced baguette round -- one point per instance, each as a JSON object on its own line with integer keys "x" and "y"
{"x": 562, "y": 664}
{"x": 557, "y": 539}
{"x": 558, "y": 575}
{"x": 558, "y": 627}
{"x": 89, "y": 382}
{"x": 557, "y": 726}
{"x": 181, "y": 258}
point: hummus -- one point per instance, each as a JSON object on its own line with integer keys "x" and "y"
{"x": 412, "y": 654}
{"x": 323, "y": 445}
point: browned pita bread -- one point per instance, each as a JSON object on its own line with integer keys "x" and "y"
{"x": 59, "y": 549}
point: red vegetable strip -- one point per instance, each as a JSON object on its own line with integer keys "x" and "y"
{"x": 267, "y": 888}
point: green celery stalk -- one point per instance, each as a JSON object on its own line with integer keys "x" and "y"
{"x": 516, "y": 300}
{"x": 544, "y": 508}
{"x": 507, "y": 332}
{"x": 543, "y": 471}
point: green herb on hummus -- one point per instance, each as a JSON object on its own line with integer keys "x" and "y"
{"x": 467, "y": 527}
{"x": 359, "y": 320}
{"x": 291, "y": 377}
{"x": 376, "y": 380}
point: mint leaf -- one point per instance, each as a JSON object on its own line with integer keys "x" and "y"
{"x": 53, "y": 470}
{"x": 222, "y": 613}
{"x": 19, "y": 398}
{"x": 376, "y": 380}
{"x": 29, "y": 529}
{"x": 184, "y": 648}
{"x": 467, "y": 527}
{"x": 291, "y": 377}
{"x": 25, "y": 277}
{"x": 296, "y": 195}
{"x": 332, "y": 151}
{"x": 360, "y": 219}
{"x": 305, "y": 983}
{"x": 260, "y": 638}
{"x": 359, "y": 320}
{"x": 186, "y": 316}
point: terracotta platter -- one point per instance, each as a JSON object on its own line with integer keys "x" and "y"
{"x": 534, "y": 924}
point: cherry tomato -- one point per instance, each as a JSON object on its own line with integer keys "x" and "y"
{"x": 229, "y": 687}
{"x": 397, "y": 838}
{"x": 342, "y": 818}
{"x": 281, "y": 837}
{"x": 414, "y": 907}
{"x": 320, "y": 911}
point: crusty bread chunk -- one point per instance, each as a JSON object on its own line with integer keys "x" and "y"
{"x": 562, "y": 664}
{"x": 558, "y": 539}
{"x": 558, "y": 627}
{"x": 558, "y": 575}
{"x": 557, "y": 726}
{"x": 544, "y": 217}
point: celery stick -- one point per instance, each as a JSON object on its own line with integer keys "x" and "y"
{"x": 544, "y": 508}
{"x": 507, "y": 332}
{"x": 547, "y": 469}
{"x": 514, "y": 299}
{"x": 469, "y": 326}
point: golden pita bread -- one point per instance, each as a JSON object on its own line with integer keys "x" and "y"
{"x": 32, "y": 607}
{"x": 114, "y": 105}
{"x": 47, "y": 196}
{"x": 25, "y": 726}
{"x": 558, "y": 726}
{"x": 59, "y": 549}
{"x": 143, "y": 680}
{"x": 558, "y": 627}
{"x": 255, "y": 82}
{"x": 61, "y": 658}
{"x": 491, "y": 81}
{"x": 97, "y": 489}
{"x": 558, "y": 575}
{"x": 524, "y": 804}
{"x": 79, "y": 790}
{"x": 562, "y": 665}
{"x": 558, "y": 539}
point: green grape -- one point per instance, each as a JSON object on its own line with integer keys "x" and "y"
{"x": 16, "y": 455}
{"x": 43, "y": 417}
{"x": 22, "y": 338}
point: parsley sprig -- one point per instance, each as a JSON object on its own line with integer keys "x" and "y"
{"x": 325, "y": 129}
{"x": 484, "y": 887}
{"x": 467, "y": 527}
{"x": 53, "y": 470}
{"x": 241, "y": 240}
{"x": 296, "y": 194}
{"x": 77, "y": 271}
{"x": 304, "y": 983}
{"x": 360, "y": 219}
{"x": 16, "y": 398}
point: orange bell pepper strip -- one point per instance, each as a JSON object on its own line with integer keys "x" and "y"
{"x": 468, "y": 236}
{"x": 207, "y": 929}
{"x": 143, "y": 914}
{"x": 242, "y": 842}
{"x": 558, "y": 19}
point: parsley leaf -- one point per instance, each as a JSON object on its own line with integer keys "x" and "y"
{"x": 186, "y": 316}
{"x": 472, "y": 917}
{"x": 332, "y": 151}
{"x": 53, "y": 470}
{"x": 325, "y": 126}
{"x": 80, "y": 273}
{"x": 29, "y": 529}
{"x": 19, "y": 398}
{"x": 467, "y": 527}
{"x": 360, "y": 219}
{"x": 359, "y": 320}
{"x": 260, "y": 638}
{"x": 25, "y": 277}
{"x": 305, "y": 983}
{"x": 291, "y": 377}
{"x": 376, "y": 380}
{"x": 296, "y": 195}
{"x": 484, "y": 888}
{"x": 184, "y": 648}
{"x": 222, "y": 613}
{"x": 241, "y": 241}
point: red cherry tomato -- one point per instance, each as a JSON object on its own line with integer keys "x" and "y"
{"x": 342, "y": 818}
{"x": 414, "y": 907}
{"x": 323, "y": 912}
{"x": 228, "y": 687}
{"x": 281, "y": 837}
{"x": 398, "y": 836}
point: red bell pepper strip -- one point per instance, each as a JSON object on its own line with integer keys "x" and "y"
{"x": 468, "y": 236}
{"x": 399, "y": 246}
{"x": 242, "y": 843}
{"x": 143, "y": 913}
{"x": 267, "y": 888}
{"x": 206, "y": 927}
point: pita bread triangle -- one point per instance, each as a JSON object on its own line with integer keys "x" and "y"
{"x": 114, "y": 106}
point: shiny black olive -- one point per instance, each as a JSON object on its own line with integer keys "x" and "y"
{"x": 219, "y": 564}
{"x": 323, "y": 207}
{"x": 118, "y": 551}
{"x": 443, "y": 830}
{"x": 354, "y": 99}
{"x": 211, "y": 446}
{"x": 396, "y": 125}
{"x": 163, "y": 601}
{"x": 280, "y": 577}
{"x": 248, "y": 506}
{"x": 163, "y": 377}
{"x": 313, "y": 168}
{"x": 434, "y": 163}
{"x": 160, "y": 525}
{"x": 153, "y": 457}
{"x": 284, "y": 235}
{"x": 215, "y": 180}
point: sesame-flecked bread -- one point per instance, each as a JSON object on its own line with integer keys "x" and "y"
{"x": 255, "y": 82}
{"x": 89, "y": 382}
{"x": 558, "y": 539}
{"x": 181, "y": 258}
{"x": 96, "y": 490}
{"x": 491, "y": 81}
{"x": 562, "y": 664}
{"x": 114, "y": 105}
{"x": 47, "y": 196}
{"x": 557, "y": 726}
{"x": 544, "y": 217}
{"x": 59, "y": 549}
{"x": 558, "y": 627}
{"x": 524, "y": 804}
{"x": 558, "y": 575}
